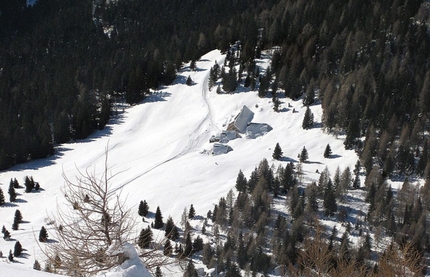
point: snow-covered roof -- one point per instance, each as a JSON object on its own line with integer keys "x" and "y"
{"x": 243, "y": 119}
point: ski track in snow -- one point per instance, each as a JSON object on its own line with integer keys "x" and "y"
{"x": 196, "y": 136}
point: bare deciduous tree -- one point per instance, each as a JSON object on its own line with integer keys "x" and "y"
{"x": 94, "y": 220}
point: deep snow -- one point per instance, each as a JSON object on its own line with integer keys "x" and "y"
{"x": 159, "y": 148}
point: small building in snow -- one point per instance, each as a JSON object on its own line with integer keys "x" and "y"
{"x": 242, "y": 120}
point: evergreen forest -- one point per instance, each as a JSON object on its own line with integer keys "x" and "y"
{"x": 68, "y": 67}
{"x": 65, "y": 66}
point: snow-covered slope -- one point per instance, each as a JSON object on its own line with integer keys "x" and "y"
{"x": 160, "y": 150}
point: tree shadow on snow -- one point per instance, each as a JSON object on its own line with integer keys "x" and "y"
{"x": 288, "y": 159}
{"x": 334, "y": 156}
{"x": 9, "y": 205}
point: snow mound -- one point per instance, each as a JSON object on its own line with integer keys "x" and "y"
{"x": 219, "y": 149}
{"x": 131, "y": 267}
{"x": 255, "y": 130}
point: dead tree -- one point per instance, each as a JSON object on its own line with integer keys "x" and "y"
{"x": 95, "y": 218}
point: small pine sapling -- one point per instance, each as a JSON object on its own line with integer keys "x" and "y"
{"x": 43, "y": 235}
{"x": 10, "y": 257}
{"x": 189, "y": 81}
{"x": 6, "y": 235}
{"x": 36, "y": 265}
{"x": 158, "y": 222}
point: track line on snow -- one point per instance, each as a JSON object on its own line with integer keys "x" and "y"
{"x": 194, "y": 138}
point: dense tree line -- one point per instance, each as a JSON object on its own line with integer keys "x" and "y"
{"x": 64, "y": 63}
{"x": 68, "y": 61}
{"x": 259, "y": 236}
{"x": 366, "y": 63}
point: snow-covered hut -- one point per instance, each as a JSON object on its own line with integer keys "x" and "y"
{"x": 242, "y": 120}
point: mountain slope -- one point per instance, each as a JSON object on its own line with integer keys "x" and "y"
{"x": 160, "y": 150}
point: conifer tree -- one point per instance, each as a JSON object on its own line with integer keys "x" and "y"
{"x": 218, "y": 90}
{"x": 191, "y": 212}
{"x": 17, "y": 249}
{"x": 189, "y": 81}
{"x": 2, "y": 200}
{"x": 167, "y": 251}
{"x": 311, "y": 195}
{"x": 329, "y": 203}
{"x": 327, "y": 151}
{"x": 241, "y": 182}
{"x": 310, "y": 97}
{"x": 10, "y": 257}
{"x": 198, "y": 244}
{"x": 6, "y": 235}
{"x": 143, "y": 208}
{"x": 276, "y": 103}
{"x": 15, "y": 224}
{"x": 14, "y": 182}
{"x": 43, "y": 235}
{"x": 277, "y": 153}
{"x": 344, "y": 251}
{"x": 158, "y": 223}
{"x": 29, "y": 184}
{"x": 188, "y": 246}
{"x": 158, "y": 272}
{"x": 191, "y": 270}
{"x": 207, "y": 254}
{"x": 36, "y": 265}
{"x": 171, "y": 231}
{"x": 303, "y": 155}
{"x": 12, "y": 193}
{"x": 308, "y": 119}
{"x": 18, "y": 216}
{"x": 193, "y": 65}
{"x": 145, "y": 238}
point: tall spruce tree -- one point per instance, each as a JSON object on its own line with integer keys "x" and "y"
{"x": 308, "y": 119}
{"x": 12, "y": 193}
{"x": 188, "y": 246}
{"x": 277, "y": 153}
{"x": 158, "y": 222}
{"x": 329, "y": 203}
{"x": 327, "y": 151}
{"x": 241, "y": 182}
